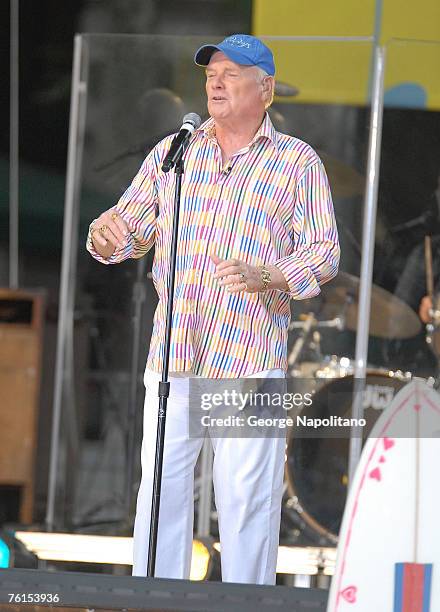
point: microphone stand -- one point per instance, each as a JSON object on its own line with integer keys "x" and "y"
{"x": 164, "y": 385}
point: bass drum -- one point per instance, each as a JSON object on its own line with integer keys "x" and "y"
{"x": 317, "y": 468}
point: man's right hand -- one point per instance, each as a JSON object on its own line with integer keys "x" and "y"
{"x": 425, "y": 308}
{"x": 109, "y": 232}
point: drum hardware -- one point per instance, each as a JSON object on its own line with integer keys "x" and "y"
{"x": 434, "y": 313}
{"x": 334, "y": 366}
{"x": 336, "y": 322}
{"x": 307, "y": 323}
{"x": 310, "y": 527}
{"x": 433, "y": 328}
{"x": 390, "y": 317}
{"x": 315, "y": 343}
{"x": 295, "y": 527}
{"x": 430, "y": 381}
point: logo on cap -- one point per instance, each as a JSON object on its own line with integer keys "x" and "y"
{"x": 239, "y": 42}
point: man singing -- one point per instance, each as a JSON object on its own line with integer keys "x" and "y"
{"x": 256, "y": 229}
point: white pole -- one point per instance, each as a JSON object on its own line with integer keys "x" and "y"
{"x": 368, "y": 236}
{"x": 69, "y": 250}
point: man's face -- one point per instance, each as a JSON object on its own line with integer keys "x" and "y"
{"x": 234, "y": 91}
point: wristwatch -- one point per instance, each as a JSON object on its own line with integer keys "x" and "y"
{"x": 265, "y": 277}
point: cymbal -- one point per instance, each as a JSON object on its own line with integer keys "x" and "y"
{"x": 344, "y": 180}
{"x": 390, "y": 317}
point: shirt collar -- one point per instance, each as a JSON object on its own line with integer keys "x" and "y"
{"x": 266, "y": 130}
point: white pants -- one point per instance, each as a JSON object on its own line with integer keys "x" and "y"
{"x": 248, "y": 487}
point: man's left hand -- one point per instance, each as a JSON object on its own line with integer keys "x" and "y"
{"x": 236, "y": 276}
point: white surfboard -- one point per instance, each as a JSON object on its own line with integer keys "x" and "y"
{"x": 389, "y": 544}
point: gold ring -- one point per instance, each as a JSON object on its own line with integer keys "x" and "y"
{"x": 114, "y": 215}
{"x": 103, "y": 229}
{"x": 245, "y": 287}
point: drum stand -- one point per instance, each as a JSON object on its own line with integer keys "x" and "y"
{"x": 432, "y": 340}
{"x": 291, "y": 506}
{"x": 309, "y": 323}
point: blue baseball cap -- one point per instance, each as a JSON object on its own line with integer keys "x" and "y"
{"x": 241, "y": 49}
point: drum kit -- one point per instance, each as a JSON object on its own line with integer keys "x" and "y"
{"x": 317, "y": 468}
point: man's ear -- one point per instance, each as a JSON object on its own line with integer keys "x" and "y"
{"x": 268, "y": 85}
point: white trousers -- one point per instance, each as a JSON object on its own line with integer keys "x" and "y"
{"x": 248, "y": 487}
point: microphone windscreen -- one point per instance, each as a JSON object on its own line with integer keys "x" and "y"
{"x": 194, "y": 119}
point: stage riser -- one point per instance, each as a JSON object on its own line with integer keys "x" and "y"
{"x": 100, "y": 592}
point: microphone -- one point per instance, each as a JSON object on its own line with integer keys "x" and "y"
{"x": 191, "y": 122}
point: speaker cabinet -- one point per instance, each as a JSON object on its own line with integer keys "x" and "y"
{"x": 21, "y": 323}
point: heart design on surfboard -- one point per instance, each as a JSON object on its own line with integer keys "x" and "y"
{"x": 388, "y": 443}
{"x": 376, "y": 474}
{"x": 349, "y": 594}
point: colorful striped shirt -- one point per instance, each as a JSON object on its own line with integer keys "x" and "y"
{"x": 270, "y": 204}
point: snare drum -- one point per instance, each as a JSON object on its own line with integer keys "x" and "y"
{"x": 317, "y": 468}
